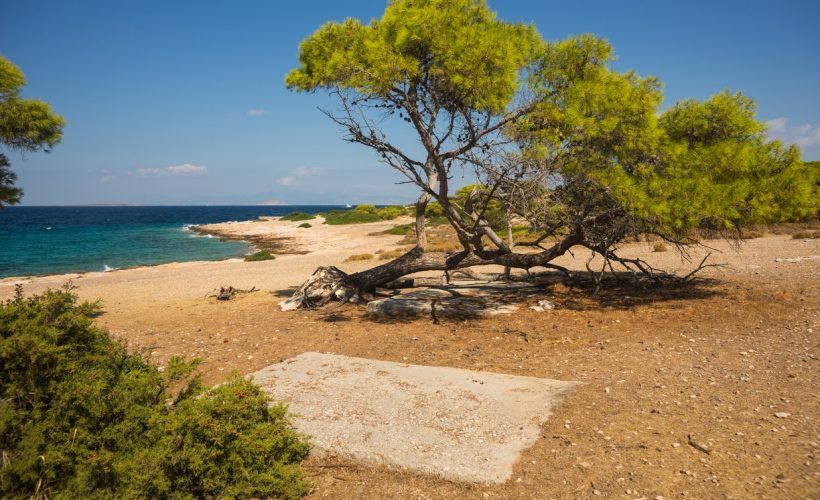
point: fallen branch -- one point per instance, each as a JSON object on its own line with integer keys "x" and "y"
{"x": 229, "y": 292}
{"x": 703, "y": 265}
{"x": 694, "y": 444}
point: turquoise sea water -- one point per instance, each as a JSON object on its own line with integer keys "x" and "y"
{"x": 53, "y": 240}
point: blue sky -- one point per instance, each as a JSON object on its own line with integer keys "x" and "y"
{"x": 184, "y": 102}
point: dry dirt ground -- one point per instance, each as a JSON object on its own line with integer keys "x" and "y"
{"x": 704, "y": 392}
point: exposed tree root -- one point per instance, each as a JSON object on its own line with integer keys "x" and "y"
{"x": 326, "y": 284}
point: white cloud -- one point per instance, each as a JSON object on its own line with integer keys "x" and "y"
{"x": 184, "y": 169}
{"x": 257, "y": 112}
{"x": 303, "y": 171}
{"x": 805, "y": 136}
{"x": 107, "y": 176}
{"x": 187, "y": 169}
{"x": 296, "y": 174}
{"x": 288, "y": 180}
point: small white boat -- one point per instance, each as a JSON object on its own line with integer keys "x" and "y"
{"x": 348, "y": 206}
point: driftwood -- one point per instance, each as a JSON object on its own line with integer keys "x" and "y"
{"x": 229, "y": 292}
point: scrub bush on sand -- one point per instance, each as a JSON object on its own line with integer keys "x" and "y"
{"x": 81, "y": 417}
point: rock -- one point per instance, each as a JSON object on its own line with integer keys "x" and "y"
{"x": 441, "y": 303}
{"x": 797, "y": 259}
{"x": 543, "y": 305}
{"x": 782, "y": 414}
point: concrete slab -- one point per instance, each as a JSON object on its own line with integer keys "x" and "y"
{"x": 458, "y": 424}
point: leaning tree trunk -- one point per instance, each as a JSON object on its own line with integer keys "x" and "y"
{"x": 330, "y": 283}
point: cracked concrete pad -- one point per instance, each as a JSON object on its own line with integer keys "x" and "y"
{"x": 459, "y": 424}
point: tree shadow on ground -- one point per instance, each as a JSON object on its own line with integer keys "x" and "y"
{"x": 622, "y": 291}
{"x": 285, "y": 293}
{"x": 467, "y": 301}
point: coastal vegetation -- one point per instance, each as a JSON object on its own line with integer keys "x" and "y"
{"x": 259, "y": 256}
{"x": 362, "y": 214}
{"x": 82, "y": 417}
{"x": 555, "y": 136}
{"x": 298, "y": 216}
{"x": 26, "y": 126}
{"x": 305, "y": 225}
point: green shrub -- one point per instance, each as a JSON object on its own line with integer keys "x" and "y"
{"x": 354, "y": 216}
{"x": 305, "y": 225}
{"x": 434, "y": 210}
{"x": 391, "y": 212}
{"x": 259, "y": 256}
{"x": 81, "y": 417}
{"x": 401, "y": 230}
{"x": 297, "y": 216}
{"x": 366, "y": 209}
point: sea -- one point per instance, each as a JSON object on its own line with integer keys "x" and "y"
{"x": 38, "y": 241}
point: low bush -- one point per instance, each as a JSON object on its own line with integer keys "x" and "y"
{"x": 392, "y": 254}
{"x": 752, "y": 233}
{"x": 358, "y": 215}
{"x": 660, "y": 246}
{"x": 444, "y": 245}
{"x": 806, "y": 235}
{"x": 259, "y": 256}
{"x": 305, "y": 225}
{"x": 366, "y": 209}
{"x": 359, "y": 256}
{"x": 81, "y": 417}
{"x": 391, "y": 212}
{"x": 401, "y": 230}
{"x": 297, "y": 216}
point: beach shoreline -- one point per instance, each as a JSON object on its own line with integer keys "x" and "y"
{"x": 635, "y": 353}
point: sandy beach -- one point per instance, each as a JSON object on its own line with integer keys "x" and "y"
{"x": 302, "y": 250}
{"x": 715, "y": 361}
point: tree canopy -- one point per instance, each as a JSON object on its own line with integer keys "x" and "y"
{"x": 26, "y": 125}
{"x": 554, "y": 134}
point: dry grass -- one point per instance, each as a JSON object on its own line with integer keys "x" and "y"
{"x": 806, "y": 235}
{"x": 359, "y": 256}
{"x": 752, "y": 233}
{"x": 446, "y": 246}
{"x": 660, "y": 246}
{"x": 392, "y": 254}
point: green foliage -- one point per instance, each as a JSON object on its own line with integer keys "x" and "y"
{"x": 468, "y": 57}
{"x": 596, "y": 160}
{"x": 366, "y": 209}
{"x": 363, "y": 213}
{"x": 259, "y": 256}
{"x": 305, "y": 225}
{"x": 391, "y": 212}
{"x": 722, "y": 172}
{"x": 614, "y": 159}
{"x": 9, "y": 194}
{"x": 297, "y": 216}
{"x": 81, "y": 417}
{"x": 26, "y": 125}
{"x": 339, "y": 217}
{"x": 486, "y": 204}
{"x": 401, "y": 230}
